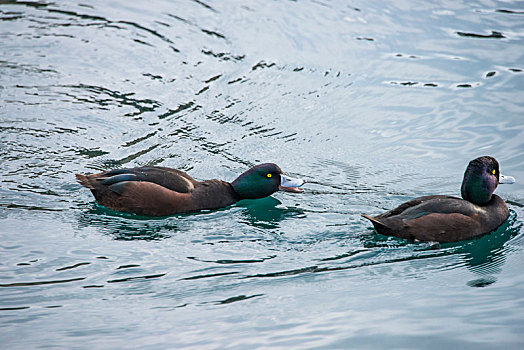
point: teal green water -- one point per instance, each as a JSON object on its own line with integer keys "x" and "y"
{"x": 372, "y": 103}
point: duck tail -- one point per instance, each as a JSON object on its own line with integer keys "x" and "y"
{"x": 84, "y": 181}
{"x": 376, "y": 223}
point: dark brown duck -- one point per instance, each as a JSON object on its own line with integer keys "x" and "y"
{"x": 159, "y": 191}
{"x": 449, "y": 219}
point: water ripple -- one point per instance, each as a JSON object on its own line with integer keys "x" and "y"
{"x": 373, "y": 105}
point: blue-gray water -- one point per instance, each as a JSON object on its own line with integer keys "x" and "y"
{"x": 372, "y": 102}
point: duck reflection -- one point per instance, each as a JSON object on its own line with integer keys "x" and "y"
{"x": 486, "y": 255}
{"x": 266, "y": 213}
{"x": 123, "y": 226}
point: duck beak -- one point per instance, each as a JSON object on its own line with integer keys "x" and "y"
{"x": 290, "y": 184}
{"x": 506, "y": 179}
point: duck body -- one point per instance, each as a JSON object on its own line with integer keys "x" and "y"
{"x": 440, "y": 218}
{"x": 161, "y": 191}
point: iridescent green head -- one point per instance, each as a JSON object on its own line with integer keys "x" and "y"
{"x": 481, "y": 178}
{"x": 263, "y": 180}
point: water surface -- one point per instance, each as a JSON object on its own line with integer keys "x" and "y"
{"x": 372, "y": 103}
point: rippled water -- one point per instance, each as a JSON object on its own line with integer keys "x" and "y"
{"x": 374, "y": 103}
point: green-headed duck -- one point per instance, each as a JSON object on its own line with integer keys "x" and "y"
{"x": 159, "y": 191}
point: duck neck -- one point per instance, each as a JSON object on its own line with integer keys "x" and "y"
{"x": 234, "y": 193}
{"x": 214, "y": 194}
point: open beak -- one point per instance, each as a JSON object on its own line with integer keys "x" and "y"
{"x": 290, "y": 184}
{"x": 506, "y": 179}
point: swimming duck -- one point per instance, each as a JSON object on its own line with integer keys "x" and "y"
{"x": 449, "y": 219}
{"x": 160, "y": 191}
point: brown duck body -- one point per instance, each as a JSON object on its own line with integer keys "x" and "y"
{"x": 157, "y": 191}
{"x": 441, "y": 219}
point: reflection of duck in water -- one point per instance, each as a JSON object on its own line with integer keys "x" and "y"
{"x": 125, "y": 226}
{"x": 485, "y": 256}
{"x": 449, "y": 219}
{"x": 266, "y": 213}
{"x": 159, "y": 191}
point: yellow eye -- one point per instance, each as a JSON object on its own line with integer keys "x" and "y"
{"x": 494, "y": 172}
{"x": 269, "y": 175}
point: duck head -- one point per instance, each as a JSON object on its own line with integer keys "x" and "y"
{"x": 481, "y": 178}
{"x": 263, "y": 180}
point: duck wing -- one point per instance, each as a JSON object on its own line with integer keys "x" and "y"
{"x": 171, "y": 179}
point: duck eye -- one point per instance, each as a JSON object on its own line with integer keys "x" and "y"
{"x": 269, "y": 175}
{"x": 494, "y": 172}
